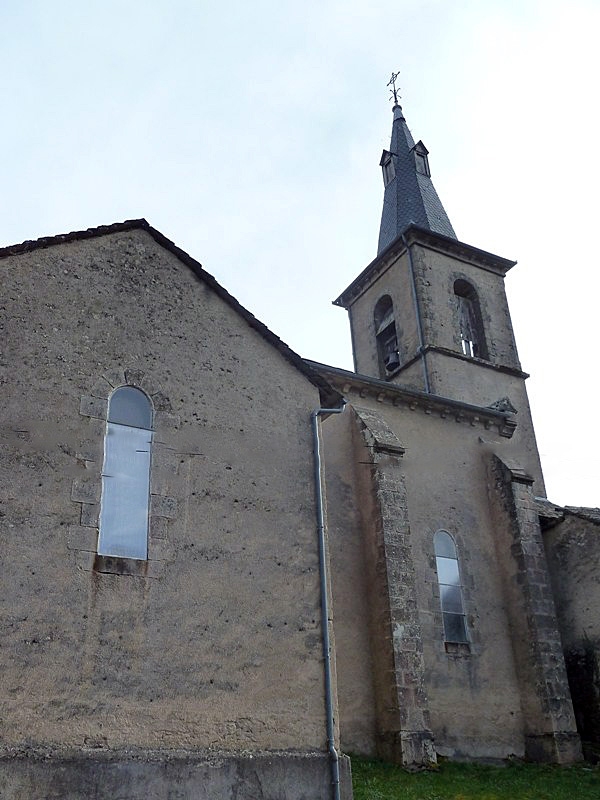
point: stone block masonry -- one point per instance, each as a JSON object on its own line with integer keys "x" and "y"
{"x": 550, "y": 733}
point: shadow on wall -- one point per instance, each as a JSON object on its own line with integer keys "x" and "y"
{"x": 583, "y": 671}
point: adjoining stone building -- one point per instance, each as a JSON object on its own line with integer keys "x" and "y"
{"x": 189, "y": 523}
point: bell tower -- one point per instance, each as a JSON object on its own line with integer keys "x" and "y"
{"x": 430, "y": 313}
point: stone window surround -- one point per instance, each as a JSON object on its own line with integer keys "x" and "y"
{"x": 463, "y": 286}
{"x": 86, "y": 490}
{"x": 386, "y": 332}
{"x": 452, "y": 649}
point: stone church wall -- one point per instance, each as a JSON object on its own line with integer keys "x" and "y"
{"x": 436, "y": 274}
{"x": 393, "y": 281}
{"x": 354, "y": 641}
{"x": 480, "y": 381}
{"x": 444, "y": 469}
{"x": 215, "y": 645}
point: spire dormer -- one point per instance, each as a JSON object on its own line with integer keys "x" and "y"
{"x": 410, "y": 197}
{"x": 430, "y": 313}
{"x": 446, "y": 327}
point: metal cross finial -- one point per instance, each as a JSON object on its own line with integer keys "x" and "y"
{"x": 393, "y": 90}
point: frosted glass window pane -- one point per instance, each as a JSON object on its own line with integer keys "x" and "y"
{"x": 455, "y": 629}
{"x": 125, "y": 492}
{"x": 444, "y": 545}
{"x": 447, "y": 569}
{"x": 129, "y": 406}
{"x": 451, "y": 598}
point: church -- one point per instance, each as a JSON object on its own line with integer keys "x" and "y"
{"x": 225, "y": 567}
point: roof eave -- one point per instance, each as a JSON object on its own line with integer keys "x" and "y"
{"x": 385, "y": 391}
{"x": 414, "y": 234}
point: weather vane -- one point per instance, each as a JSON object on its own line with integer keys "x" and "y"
{"x": 393, "y": 90}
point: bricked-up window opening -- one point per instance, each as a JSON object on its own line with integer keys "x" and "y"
{"x": 386, "y": 336}
{"x": 451, "y": 600}
{"x": 469, "y": 320}
{"x": 125, "y": 502}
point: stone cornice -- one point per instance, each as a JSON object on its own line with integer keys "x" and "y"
{"x": 481, "y": 362}
{"x": 433, "y": 241}
{"x": 348, "y": 383}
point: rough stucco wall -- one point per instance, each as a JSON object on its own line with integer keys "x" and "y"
{"x": 446, "y": 488}
{"x": 435, "y": 276}
{"x": 350, "y": 592}
{"x": 474, "y": 695}
{"x": 221, "y": 646}
{"x": 470, "y": 382}
{"x": 395, "y": 282}
{"x": 155, "y": 776}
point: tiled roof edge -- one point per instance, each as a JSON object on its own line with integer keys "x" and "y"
{"x": 50, "y": 241}
{"x": 328, "y": 395}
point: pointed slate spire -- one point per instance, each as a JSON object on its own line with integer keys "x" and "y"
{"x": 410, "y": 197}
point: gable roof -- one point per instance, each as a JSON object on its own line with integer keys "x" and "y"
{"x": 329, "y": 396}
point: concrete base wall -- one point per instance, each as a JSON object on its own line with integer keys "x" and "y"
{"x": 157, "y": 776}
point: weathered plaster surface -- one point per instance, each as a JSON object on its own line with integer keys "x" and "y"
{"x": 218, "y": 643}
{"x": 444, "y": 470}
{"x": 156, "y": 775}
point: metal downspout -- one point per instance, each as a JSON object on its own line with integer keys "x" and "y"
{"x": 324, "y": 581}
{"x": 413, "y": 285}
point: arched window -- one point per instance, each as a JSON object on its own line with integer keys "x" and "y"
{"x": 469, "y": 320}
{"x": 448, "y": 572}
{"x": 386, "y": 336}
{"x": 125, "y": 500}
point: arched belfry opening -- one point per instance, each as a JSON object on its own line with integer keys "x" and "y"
{"x": 386, "y": 336}
{"x": 470, "y": 323}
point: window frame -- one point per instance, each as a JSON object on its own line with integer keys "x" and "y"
{"x": 446, "y": 551}
{"x": 386, "y": 335}
{"x": 422, "y": 163}
{"x": 470, "y": 327}
{"x": 126, "y": 471}
{"x": 389, "y": 170}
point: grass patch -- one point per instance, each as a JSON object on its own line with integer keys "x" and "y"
{"x": 376, "y": 780}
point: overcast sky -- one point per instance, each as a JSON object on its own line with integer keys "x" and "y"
{"x": 250, "y": 134}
